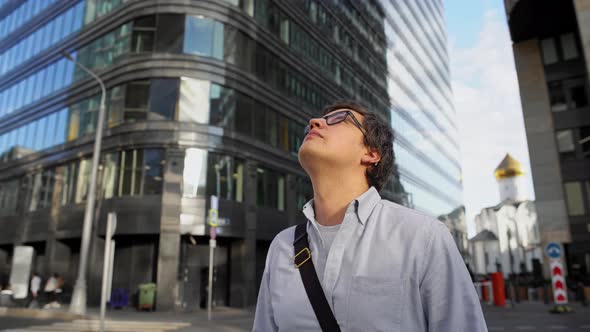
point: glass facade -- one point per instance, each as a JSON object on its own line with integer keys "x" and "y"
{"x": 422, "y": 113}
{"x": 212, "y": 99}
{"x": 206, "y": 173}
{"x": 392, "y": 57}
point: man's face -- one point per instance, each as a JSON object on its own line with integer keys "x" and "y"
{"x": 340, "y": 145}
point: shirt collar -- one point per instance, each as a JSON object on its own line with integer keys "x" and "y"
{"x": 362, "y": 205}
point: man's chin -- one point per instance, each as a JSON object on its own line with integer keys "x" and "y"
{"x": 308, "y": 154}
{"x": 312, "y": 155}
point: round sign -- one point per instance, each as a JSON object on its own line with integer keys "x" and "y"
{"x": 553, "y": 250}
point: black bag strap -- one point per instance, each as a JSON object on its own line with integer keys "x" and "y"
{"x": 313, "y": 288}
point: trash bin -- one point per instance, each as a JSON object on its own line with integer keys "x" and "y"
{"x": 147, "y": 296}
{"x": 119, "y": 298}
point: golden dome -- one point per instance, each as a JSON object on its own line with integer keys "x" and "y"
{"x": 509, "y": 167}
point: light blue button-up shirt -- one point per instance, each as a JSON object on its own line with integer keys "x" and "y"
{"x": 389, "y": 268}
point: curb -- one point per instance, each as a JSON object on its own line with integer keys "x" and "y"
{"x": 39, "y": 314}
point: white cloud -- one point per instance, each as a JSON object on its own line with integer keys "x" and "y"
{"x": 489, "y": 114}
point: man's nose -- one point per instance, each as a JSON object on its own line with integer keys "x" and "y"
{"x": 317, "y": 123}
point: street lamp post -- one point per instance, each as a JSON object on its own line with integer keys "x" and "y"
{"x": 78, "y": 303}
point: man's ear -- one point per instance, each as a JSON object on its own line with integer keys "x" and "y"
{"x": 371, "y": 157}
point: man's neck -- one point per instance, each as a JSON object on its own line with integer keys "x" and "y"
{"x": 332, "y": 196}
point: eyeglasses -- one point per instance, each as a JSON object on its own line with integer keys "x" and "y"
{"x": 336, "y": 118}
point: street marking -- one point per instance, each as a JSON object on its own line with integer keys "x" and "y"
{"x": 525, "y": 327}
{"x": 496, "y": 328}
{"x": 558, "y": 327}
{"x": 110, "y": 326}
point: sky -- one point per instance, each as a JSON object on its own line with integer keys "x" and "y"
{"x": 487, "y": 100}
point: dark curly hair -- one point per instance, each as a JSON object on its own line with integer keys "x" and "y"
{"x": 379, "y": 137}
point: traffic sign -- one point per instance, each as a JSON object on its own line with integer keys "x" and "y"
{"x": 553, "y": 250}
{"x": 214, "y": 211}
{"x": 558, "y": 282}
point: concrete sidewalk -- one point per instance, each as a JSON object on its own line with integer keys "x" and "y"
{"x": 223, "y": 319}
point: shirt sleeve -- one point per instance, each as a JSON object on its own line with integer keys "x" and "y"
{"x": 449, "y": 298}
{"x": 264, "y": 317}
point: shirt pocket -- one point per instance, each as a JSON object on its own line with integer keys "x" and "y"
{"x": 375, "y": 304}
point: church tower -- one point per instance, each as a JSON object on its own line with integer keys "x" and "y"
{"x": 509, "y": 175}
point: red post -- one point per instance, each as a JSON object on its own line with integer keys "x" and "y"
{"x": 498, "y": 289}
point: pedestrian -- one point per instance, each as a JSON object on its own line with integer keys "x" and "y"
{"x": 50, "y": 290}
{"x": 35, "y": 288}
{"x": 362, "y": 263}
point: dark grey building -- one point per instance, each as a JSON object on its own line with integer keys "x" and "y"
{"x": 551, "y": 42}
{"x": 204, "y": 98}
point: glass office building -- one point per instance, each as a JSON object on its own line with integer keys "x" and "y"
{"x": 204, "y": 98}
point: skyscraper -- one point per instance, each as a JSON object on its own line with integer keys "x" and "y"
{"x": 551, "y": 49}
{"x": 205, "y": 98}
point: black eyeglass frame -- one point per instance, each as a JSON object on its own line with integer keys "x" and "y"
{"x": 348, "y": 113}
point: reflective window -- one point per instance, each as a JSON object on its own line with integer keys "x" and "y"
{"x": 47, "y": 188}
{"x": 203, "y": 37}
{"x": 144, "y": 34}
{"x": 115, "y": 106}
{"x": 194, "y": 178}
{"x": 222, "y": 107}
{"x": 21, "y": 15}
{"x": 424, "y": 200}
{"x": 549, "y": 51}
{"x": 260, "y": 125}
{"x": 270, "y": 190}
{"x": 244, "y": 116}
{"x": 9, "y": 197}
{"x": 153, "y": 171}
{"x": 30, "y": 131}
{"x": 136, "y": 101}
{"x": 21, "y": 137}
{"x": 42, "y": 38}
{"x": 574, "y": 198}
{"x": 225, "y": 177}
{"x": 163, "y": 98}
{"x": 98, "y": 8}
{"x": 578, "y": 94}
{"x": 103, "y": 52}
{"x": 303, "y": 192}
{"x": 272, "y": 129}
{"x": 40, "y": 128}
{"x": 68, "y": 182}
{"x": 62, "y": 126}
{"x": 51, "y": 131}
{"x": 82, "y": 180}
{"x": 49, "y": 78}
{"x": 569, "y": 46}
{"x": 60, "y": 75}
{"x": 170, "y": 33}
{"x": 131, "y": 162}
{"x": 36, "y": 181}
{"x": 39, "y": 84}
{"x": 110, "y": 174}
{"x": 565, "y": 142}
{"x": 232, "y": 110}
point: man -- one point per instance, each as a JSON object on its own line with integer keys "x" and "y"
{"x": 35, "y": 287}
{"x": 382, "y": 267}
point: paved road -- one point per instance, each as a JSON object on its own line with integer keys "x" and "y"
{"x": 15, "y": 323}
{"x": 524, "y": 317}
{"x": 535, "y": 317}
